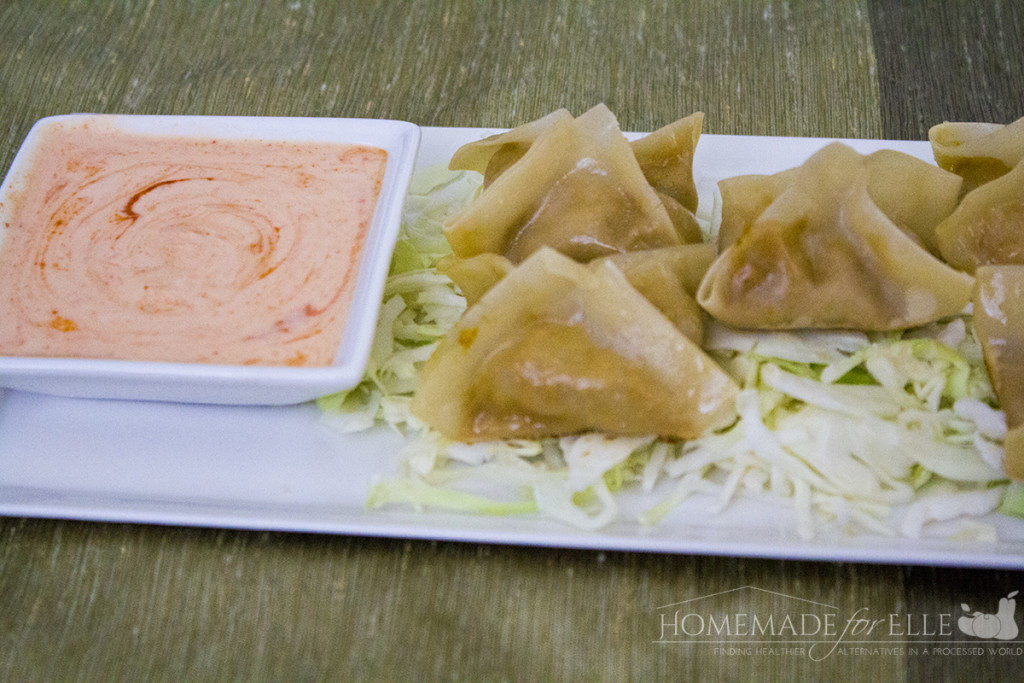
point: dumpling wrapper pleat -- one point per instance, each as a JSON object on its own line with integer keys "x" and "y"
{"x": 913, "y": 194}
{"x": 988, "y": 226}
{"x": 665, "y": 156}
{"x": 978, "y": 152}
{"x": 577, "y": 189}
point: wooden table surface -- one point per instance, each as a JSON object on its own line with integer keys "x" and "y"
{"x": 117, "y": 601}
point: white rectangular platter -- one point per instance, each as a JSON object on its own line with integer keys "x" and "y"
{"x": 285, "y": 468}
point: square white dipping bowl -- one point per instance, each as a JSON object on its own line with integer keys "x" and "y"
{"x": 236, "y": 384}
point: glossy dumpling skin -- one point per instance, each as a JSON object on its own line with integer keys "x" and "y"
{"x": 683, "y": 220}
{"x": 988, "y": 226}
{"x": 978, "y": 152}
{"x": 688, "y": 263}
{"x": 667, "y": 277}
{"x": 665, "y": 158}
{"x": 495, "y": 153}
{"x": 823, "y": 255}
{"x": 999, "y": 325}
{"x": 476, "y": 274}
{"x": 577, "y": 189}
{"x": 558, "y": 347}
{"x": 746, "y": 197}
{"x": 913, "y": 194}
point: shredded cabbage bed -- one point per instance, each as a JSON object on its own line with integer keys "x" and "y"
{"x": 878, "y": 433}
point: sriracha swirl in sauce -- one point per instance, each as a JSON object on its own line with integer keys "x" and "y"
{"x": 139, "y": 247}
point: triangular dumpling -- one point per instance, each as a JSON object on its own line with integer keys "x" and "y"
{"x": 988, "y": 226}
{"x": 578, "y": 189}
{"x": 999, "y": 325}
{"x": 665, "y": 158}
{"x": 913, "y": 194}
{"x": 823, "y": 255}
{"x": 978, "y": 152}
{"x": 557, "y": 348}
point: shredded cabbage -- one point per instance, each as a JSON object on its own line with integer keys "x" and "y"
{"x": 884, "y": 433}
{"x": 420, "y": 493}
{"x": 420, "y": 305}
{"x": 1012, "y": 503}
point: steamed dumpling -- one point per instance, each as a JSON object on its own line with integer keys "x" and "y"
{"x": 913, "y": 194}
{"x": 999, "y": 324}
{"x": 823, "y": 255}
{"x": 665, "y": 158}
{"x": 979, "y": 152}
{"x": 667, "y": 277}
{"x": 557, "y": 348}
{"x": 988, "y": 226}
{"x": 577, "y": 189}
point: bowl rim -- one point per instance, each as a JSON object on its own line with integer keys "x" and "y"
{"x": 228, "y": 383}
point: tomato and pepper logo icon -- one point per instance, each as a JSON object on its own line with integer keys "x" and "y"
{"x": 998, "y": 626}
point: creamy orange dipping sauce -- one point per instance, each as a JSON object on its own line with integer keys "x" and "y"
{"x": 136, "y": 247}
